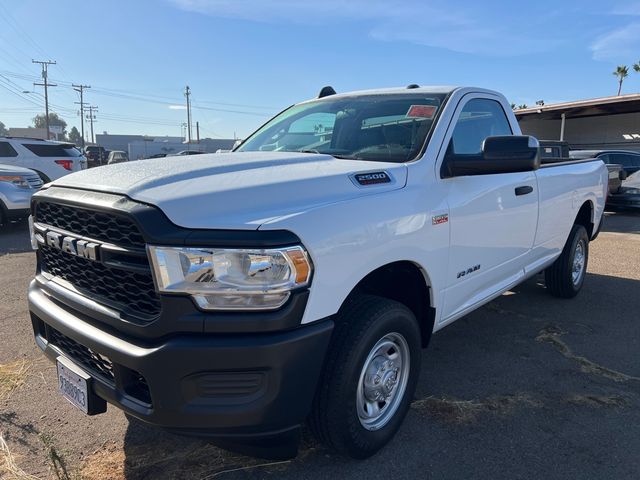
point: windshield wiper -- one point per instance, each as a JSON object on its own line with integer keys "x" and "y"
{"x": 341, "y": 157}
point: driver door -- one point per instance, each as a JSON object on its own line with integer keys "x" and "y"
{"x": 493, "y": 218}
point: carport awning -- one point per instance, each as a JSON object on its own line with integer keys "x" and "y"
{"x": 584, "y": 108}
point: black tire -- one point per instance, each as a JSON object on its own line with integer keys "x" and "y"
{"x": 559, "y": 276}
{"x": 361, "y": 324}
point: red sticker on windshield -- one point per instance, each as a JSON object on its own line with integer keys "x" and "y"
{"x": 421, "y": 111}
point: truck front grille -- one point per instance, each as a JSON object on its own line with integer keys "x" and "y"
{"x": 132, "y": 292}
{"x": 101, "y": 226}
{"x": 98, "y": 366}
{"x": 95, "y": 364}
{"x": 120, "y": 280}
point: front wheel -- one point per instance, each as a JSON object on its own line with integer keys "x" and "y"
{"x": 564, "y": 278}
{"x": 369, "y": 378}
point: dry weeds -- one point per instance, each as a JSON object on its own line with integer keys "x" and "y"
{"x": 12, "y": 376}
{"x": 9, "y": 468}
{"x": 551, "y": 335}
{"x": 465, "y": 411}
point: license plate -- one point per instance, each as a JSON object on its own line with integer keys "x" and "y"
{"x": 73, "y": 384}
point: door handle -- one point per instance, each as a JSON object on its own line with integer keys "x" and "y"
{"x": 523, "y": 190}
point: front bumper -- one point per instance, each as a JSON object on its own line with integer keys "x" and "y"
{"x": 624, "y": 201}
{"x": 231, "y": 386}
{"x": 15, "y": 202}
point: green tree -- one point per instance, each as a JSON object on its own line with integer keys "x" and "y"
{"x": 75, "y": 137}
{"x": 54, "y": 121}
{"x": 636, "y": 67}
{"x": 523, "y": 106}
{"x": 622, "y": 72}
{"x": 3, "y": 129}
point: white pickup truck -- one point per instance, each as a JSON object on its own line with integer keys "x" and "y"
{"x": 296, "y": 279}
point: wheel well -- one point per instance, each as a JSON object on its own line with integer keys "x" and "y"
{"x": 43, "y": 177}
{"x": 585, "y": 214}
{"x": 403, "y": 282}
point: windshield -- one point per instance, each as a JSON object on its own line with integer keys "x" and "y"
{"x": 389, "y": 128}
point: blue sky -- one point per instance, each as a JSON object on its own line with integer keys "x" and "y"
{"x": 247, "y": 59}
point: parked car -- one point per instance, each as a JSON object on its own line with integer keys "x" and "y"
{"x": 629, "y": 194}
{"x": 186, "y": 152}
{"x": 629, "y": 160}
{"x": 50, "y": 160}
{"x": 297, "y": 278}
{"x": 554, "y": 149}
{"x": 616, "y": 176}
{"x": 96, "y": 155}
{"x": 158, "y": 155}
{"x": 17, "y": 185}
{"x": 117, "y": 156}
{"x": 557, "y": 151}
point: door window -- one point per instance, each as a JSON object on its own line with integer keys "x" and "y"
{"x": 6, "y": 150}
{"x": 480, "y": 118}
{"x": 622, "y": 159}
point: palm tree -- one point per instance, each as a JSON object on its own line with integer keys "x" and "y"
{"x": 636, "y": 67}
{"x": 622, "y": 72}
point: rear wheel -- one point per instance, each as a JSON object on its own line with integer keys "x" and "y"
{"x": 564, "y": 278}
{"x": 370, "y": 376}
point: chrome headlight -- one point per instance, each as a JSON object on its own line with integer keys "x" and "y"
{"x": 231, "y": 279}
{"x": 19, "y": 181}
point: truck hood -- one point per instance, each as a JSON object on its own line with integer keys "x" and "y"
{"x": 13, "y": 170}
{"x": 236, "y": 190}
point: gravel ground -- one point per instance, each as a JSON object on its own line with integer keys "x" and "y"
{"x": 528, "y": 386}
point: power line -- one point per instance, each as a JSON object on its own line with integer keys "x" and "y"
{"x": 45, "y": 66}
{"x": 187, "y": 92}
{"x": 92, "y": 118}
{"x": 80, "y": 89}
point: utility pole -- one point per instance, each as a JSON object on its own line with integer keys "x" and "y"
{"x": 45, "y": 83}
{"x": 91, "y": 117}
{"x": 187, "y": 93}
{"x": 80, "y": 90}
{"x": 197, "y": 132}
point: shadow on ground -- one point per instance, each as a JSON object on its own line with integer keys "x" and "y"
{"x": 14, "y": 238}
{"x": 529, "y": 383}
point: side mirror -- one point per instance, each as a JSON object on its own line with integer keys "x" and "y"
{"x": 622, "y": 175}
{"x": 500, "y": 154}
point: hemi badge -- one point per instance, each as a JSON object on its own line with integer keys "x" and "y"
{"x": 438, "y": 219}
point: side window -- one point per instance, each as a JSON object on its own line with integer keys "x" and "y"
{"x": 480, "y": 118}
{"x": 622, "y": 159}
{"x": 635, "y": 160}
{"x": 606, "y": 158}
{"x": 6, "y": 150}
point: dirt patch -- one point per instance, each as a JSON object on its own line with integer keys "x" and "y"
{"x": 551, "y": 334}
{"x": 12, "y": 376}
{"x": 458, "y": 411}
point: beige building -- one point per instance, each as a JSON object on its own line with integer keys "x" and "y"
{"x": 598, "y": 123}
{"x": 28, "y": 132}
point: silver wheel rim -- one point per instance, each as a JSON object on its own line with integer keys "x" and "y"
{"x": 579, "y": 258}
{"x": 383, "y": 381}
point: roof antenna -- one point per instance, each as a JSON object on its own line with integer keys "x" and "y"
{"x": 412, "y": 86}
{"x": 326, "y": 91}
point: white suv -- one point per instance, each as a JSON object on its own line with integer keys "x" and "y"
{"x": 51, "y": 160}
